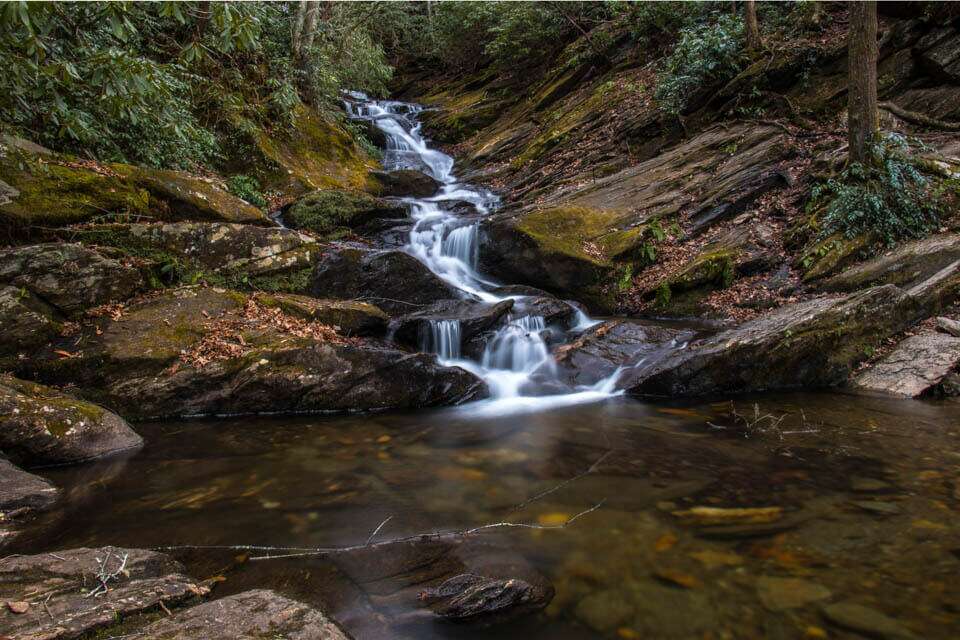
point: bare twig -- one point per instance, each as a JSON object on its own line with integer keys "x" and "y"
{"x": 104, "y": 576}
{"x": 561, "y": 485}
{"x": 377, "y": 530}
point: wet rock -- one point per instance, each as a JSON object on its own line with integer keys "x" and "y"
{"x": 780, "y": 594}
{"x": 815, "y": 343}
{"x": 472, "y": 598}
{"x": 917, "y": 365}
{"x": 520, "y": 290}
{"x": 39, "y": 425}
{"x": 133, "y": 365}
{"x": 188, "y": 197}
{"x": 58, "y": 587}
{"x": 878, "y": 507}
{"x": 353, "y": 318}
{"x": 404, "y": 183}
{"x": 21, "y": 494}
{"x": 597, "y": 353}
{"x": 371, "y": 132}
{"x": 948, "y": 326}
{"x": 68, "y": 277}
{"x": 554, "y": 312}
{"x": 335, "y": 213}
{"x": 905, "y": 266}
{"x": 474, "y": 318}
{"x": 605, "y": 611}
{"x": 866, "y": 621}
{"x": 395, "y": 281}
{"x": 260, "y": 613}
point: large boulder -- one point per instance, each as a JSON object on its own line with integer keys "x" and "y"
{"x": 270, "y": 258}
{"x": 915, "y": 367}
{"x": 939, "y": 54}
{"x": 27, "y": 322}
{"x": 904, "y": 266}
{"x": 404, "y": 183}
{"x": 249, "y": 615}
{"x": 602, "y": 349}
{"x": 351, "y": 317}
{"x": 816, "y": 343}
{"x": 40, "y": 426}
{"x": 474, "y": 318}
{"x": 182, "y": 196}
{"x": 69, "y": 277}
{"x": 76, "y": 592}
{"x": 395, "y": 281}
{"x": 205, "y": 351}
{"x": 21, "y": 494}
{"x": 334, "y": 213}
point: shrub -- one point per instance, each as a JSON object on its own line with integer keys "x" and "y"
{"x": 248, "y": 189}
{"x": 888, "y": 196}
{"x": 704, "y": 55}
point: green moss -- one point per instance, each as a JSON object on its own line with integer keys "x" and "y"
{"x": 333, "y": 212}
{"x": 318, "y": 154}
{"x": 54, "y": 194}
{"x": 712, "y": 269}
{"x": 572, "y": 231}
{"x": 829, "y": 255}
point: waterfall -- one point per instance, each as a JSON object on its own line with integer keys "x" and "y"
{"x": 517, "y": 357}
{"x": 442, "y": 337}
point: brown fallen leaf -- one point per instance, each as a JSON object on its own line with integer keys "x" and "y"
{"x": 65, "y": 354}
{"x": 18, "y": 606}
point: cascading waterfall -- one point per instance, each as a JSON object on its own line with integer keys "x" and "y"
{"x": 442, "y": 337}
{"x": 517, "y": 356}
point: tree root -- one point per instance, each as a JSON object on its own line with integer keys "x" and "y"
{"x": 919, "y": 118}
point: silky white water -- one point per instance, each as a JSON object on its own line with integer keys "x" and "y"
{"x": 516, "y": 362}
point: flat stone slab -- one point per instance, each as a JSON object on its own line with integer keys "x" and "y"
{"x": 914, "y": 366}
{"x": 21, "y": 493}
{"x": 256, "y": 614}
{"x": 67, "y": 594}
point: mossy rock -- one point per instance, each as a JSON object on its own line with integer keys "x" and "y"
{"x": 713, "y": 269}
{"x": 319, "y": 154}
{"x": 40, "y": 425}
{"x": 404, "y": 182}
{"x": 188, "y": 197}
{"x": 826, "y": 256}
{"x": 42, "y": 191}
{"x": 28, "y": 323}
{"x": 333, "y": 213}
{"x": 350, "y": 316}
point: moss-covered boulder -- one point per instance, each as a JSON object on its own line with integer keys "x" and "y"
{"x": 199, "y": 350}
{"x": 809, "y": 344}
{"x": 334, "y": 213}
{"x": 404, "y": 182}
{"x": 318, "y": 154}
{"x": 43, "y": 189}
{"x": 69, "y": 277}
{"x": 351, "y": 317}
{"x": 395, "y": 281}
{"x": 177, "y": 195}
{"x": 241, "y": 256}
{"x": 41, "y": 426}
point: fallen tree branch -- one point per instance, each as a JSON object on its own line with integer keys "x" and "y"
{"x": 300, "y": 552}
{"x": 919, "y": 118}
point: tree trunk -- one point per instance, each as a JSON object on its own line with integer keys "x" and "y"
{"x": 310, "y": 25}
{"x": 753, "y": 28}
{"x": 297, "y": 36}
{"x": 862, "y": 78}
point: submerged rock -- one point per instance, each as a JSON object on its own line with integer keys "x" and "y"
{"x": 866, "y": 621}
{"x": 68, "y": 277}
{"x": 395, "y": 281}
{"x": 404, "y": 182}
{"x": 60, "y": 588}
{"x": 472, "y": 598}
{"x": 260, "y": 613}
{"x": 815, "y": 343}
{"x": 334, "y": 213}
{"x": 39, "y": 425}
{"x": 205, "y": 351}
{"x": 917, "y": 365}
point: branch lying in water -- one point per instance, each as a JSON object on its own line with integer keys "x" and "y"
{"x": 300, "y": 552}
{"x": 557, "y": 487}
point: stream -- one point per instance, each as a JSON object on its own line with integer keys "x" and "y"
{"x": 862, "y": 494}
{"x": 516, "y": 363}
